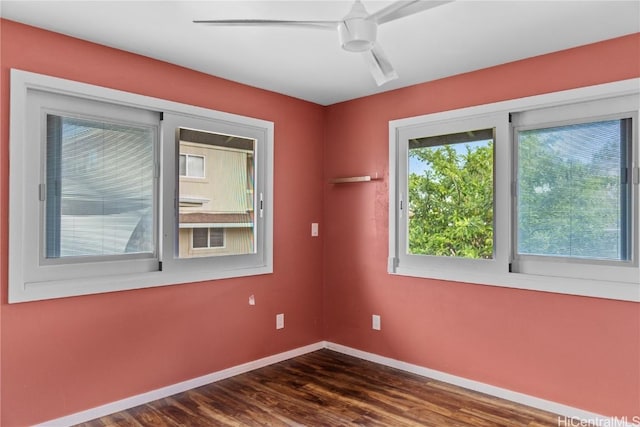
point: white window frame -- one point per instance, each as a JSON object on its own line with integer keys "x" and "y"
{"x": 37, "y": 268}
{"x": 588, "y": 112}
{"x": 421, "y": 264}
{"x": 497, "y": 272}
{"x": 23, "y": 196}
{"x": 186, "y": 166}
{"x": 261, "y": 230}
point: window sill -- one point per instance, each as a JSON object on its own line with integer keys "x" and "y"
{"x": 35, "y": 291}
{"x": 623, "y": 291}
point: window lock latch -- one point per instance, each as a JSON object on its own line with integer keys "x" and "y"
{"x": 261, "y": 205}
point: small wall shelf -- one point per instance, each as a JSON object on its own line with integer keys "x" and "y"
{"x": 348, "y": 179}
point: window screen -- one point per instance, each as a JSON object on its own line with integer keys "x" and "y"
{"x": 99, "y": 188}
{"x": 573, "y": 190}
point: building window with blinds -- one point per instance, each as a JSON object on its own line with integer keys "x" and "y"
{"x": 205, "y": 238}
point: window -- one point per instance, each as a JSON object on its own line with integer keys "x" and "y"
{"x": 100, "y": 189}
{"x": 450, "y": 195}
{"x": 91, "y": 174}
{"x": 538, "y": 193}
{"x": 226, "y": 148}
{"x": 204, "y": 238}
{"x": 574, "y": 201}
{"x": 224, "y": 195}
{"x": 84, "y": 192}
{"x": 572, "y": 195}
{"x": 446, "y": 196}
{"x": 191, "y": 166}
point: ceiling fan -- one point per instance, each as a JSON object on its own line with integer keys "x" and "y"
{"x": 357, "y": 30}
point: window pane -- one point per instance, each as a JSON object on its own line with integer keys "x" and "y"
{"x": 183, "y": 165}
{"x": 195, "y": 166}
{"x": 100, "y": 188}
{"x": 220, "y": 201}
{"x": 572, "y": 191}
{"x": 200, "y": 238}
{"x": 216, "y": 237}
{"x": 450, "y": 203}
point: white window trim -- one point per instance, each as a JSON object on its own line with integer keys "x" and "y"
{"x": 21, "y": 291}
{"x": 500, "y": 276}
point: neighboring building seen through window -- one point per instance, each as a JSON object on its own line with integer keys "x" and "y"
{"x": 216, "y": 210}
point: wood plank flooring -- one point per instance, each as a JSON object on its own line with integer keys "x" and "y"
{"x": 325, "y": 388}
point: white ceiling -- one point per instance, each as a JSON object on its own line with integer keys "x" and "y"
{"x": 309, "y": 64}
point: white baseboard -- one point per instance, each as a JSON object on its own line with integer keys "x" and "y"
{"x": 141, "y": 399}
{"x": 569, "y": 416}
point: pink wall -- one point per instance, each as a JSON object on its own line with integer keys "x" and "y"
{"x": 67, "y": 355}
{"x": 582, "y": 352}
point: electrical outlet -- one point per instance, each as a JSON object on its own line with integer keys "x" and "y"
{"x": 314, "y": 229}
{"x": 375, "y": 322}
{"x": 280, "y": 321}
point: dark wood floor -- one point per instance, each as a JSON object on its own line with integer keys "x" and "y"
{"x": 325, "y": 388}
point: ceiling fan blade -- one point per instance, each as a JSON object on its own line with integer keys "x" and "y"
{"x": 379, "y": 65}
{"x": 403, "y": 8}
{"x": 330, "y": 25}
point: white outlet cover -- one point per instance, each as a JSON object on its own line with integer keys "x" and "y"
{"x": 314, "y": 229}
{"x": 375, "y": 322}
{"x": 280, "y": 321}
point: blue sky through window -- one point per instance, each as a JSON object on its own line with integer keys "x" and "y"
{"x": 417, "y": 166}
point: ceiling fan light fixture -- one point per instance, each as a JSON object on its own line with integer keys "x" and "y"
{"x": 357, "y": 31}
{"x": 357, "y": 34}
